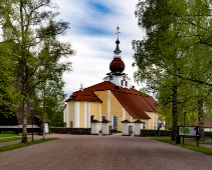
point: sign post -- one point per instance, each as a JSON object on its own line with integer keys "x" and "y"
{"x": 189, "y": 131}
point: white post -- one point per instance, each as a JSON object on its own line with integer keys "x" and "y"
{"x": 125, "y": 127}
{"x": 105, "y": 127}
{"x": 138, "y": 126}
{"x": 94, "y": 127}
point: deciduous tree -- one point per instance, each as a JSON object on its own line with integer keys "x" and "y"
{"x": 29, "y": 24}
{"x": 176, "y": 51}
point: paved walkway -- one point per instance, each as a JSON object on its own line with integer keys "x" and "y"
{"x": 115, "y": 152}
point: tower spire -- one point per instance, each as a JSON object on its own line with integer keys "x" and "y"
{"x": 117, "y": 66}
{"x": 117, "y": 51}
{"x": 117, "y": 32}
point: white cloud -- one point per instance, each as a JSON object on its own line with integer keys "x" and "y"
{"x": 95, "y": 49}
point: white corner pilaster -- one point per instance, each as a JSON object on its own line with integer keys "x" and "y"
{"x": 76, "y": 114}
{"x": 85, "y": 114}
{"x": 67, "y": 115}
{"x": 88, "y": 115}
{"x": 123, "y": 114}
{"x": 100, "y": 111}
{"x": 108, "y": 105}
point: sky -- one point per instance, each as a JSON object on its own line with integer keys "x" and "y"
{"x": 92, "y": 34}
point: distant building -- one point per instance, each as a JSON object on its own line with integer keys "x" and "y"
{"x": 113, "y": 99}
{"x": 207, "y": 125}
{"x": 14, "y": 123}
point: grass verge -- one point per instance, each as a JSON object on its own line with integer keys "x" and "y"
{"x": 10, "y": 139}
{"x": 185, "y": 145}
{"x": 21, "y": 145}
{"x": 7, "y": 135}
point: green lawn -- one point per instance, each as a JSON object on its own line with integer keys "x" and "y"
{"x": 21, "y": 145}
{"x": 188, "y": 146}
{"x": 9, "y": 137}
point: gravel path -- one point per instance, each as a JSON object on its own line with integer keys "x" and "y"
{"x": 115, "y": 152}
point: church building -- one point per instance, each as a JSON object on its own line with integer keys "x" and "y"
{"x": 113, "y": 99}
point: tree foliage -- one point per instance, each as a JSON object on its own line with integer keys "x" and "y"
{"x": 8, "y": 96}
{"x": 49, "y": 103}
{"x": 32, "y": 28}
{"x": 174, "y": 57}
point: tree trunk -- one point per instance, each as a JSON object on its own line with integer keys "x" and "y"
{"x": 174, "y": 114}
{"x": 200, "y": 118}
{"x": 44, "y": 106}
{"x": 44, "y": 128}
{"x": 24, "y": 128}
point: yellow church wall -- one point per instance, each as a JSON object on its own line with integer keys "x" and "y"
{"x": 94, "y": 110}
{"x": 82, "y": 117}
{"x": 71, "y": 113}
{"x": 146, "y": 122}
{"x": 101, "y": 109}
{"x": 128, "y": 117}
{"x": 103, "y": 95}
{"x": 116, "y": 109}
{"x": 153, "y": 122}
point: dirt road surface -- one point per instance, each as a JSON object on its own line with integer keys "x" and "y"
{"x": 114, "y": 152}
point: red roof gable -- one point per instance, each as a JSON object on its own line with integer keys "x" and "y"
{"x": 134, "y": 102}
{"x": 84, "y": 95}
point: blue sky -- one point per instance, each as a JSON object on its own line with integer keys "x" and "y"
{"x": 92, "y": 33}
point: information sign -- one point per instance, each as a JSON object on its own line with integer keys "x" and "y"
{"x": 188, "y": 130}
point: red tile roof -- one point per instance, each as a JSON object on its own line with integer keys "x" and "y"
{"x": 84, "y": 95}
{"x": 207, "y": 123}
{"x": 132, "y": 100}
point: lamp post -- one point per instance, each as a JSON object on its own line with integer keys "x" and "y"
{"x": 31, "y": 109}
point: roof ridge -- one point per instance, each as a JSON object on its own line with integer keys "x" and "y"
{"x": 99, "y": 84}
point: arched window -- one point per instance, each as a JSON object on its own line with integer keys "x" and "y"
{"x": 115, "y": 123}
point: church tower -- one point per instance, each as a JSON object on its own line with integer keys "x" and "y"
{"x": 117, "y": 66}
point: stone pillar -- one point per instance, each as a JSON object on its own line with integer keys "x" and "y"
{"x": 138, "y": 124}
{"x": 126, "y": 127}
{"x": 105, "y": 127}
{"x": 94, "y": 127}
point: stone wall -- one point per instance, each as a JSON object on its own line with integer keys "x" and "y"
{"x": 74, "y": 131}
{"x": 144, "y": 133}
{"x": 208, "y": 134}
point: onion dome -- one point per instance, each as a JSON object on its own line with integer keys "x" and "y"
{"x": 117, "y": 65}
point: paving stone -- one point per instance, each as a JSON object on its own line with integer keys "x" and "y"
{"x": 112, "y": 152}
